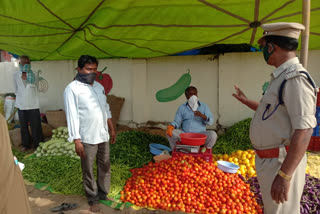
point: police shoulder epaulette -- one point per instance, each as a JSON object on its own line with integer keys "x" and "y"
{"x": 294, "y": 71}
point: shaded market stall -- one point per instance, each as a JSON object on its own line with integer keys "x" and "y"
{"x": 50, "y": 30}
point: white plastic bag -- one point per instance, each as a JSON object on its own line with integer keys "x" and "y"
{"x": 9, "y": 107}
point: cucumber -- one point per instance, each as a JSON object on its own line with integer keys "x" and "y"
{"x": 70, "y": 147}
{"x": 60, "y": 129}
{"x": 65, "y": 130}
{"x": 176, "y": 90}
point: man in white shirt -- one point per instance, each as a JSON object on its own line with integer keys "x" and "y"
{"x": 27, "y": 102}
{"x": 90, "y": 128}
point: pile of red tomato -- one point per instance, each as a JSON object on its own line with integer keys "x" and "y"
{"x": 189, "y": 184}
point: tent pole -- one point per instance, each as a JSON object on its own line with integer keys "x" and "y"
{"x": 305, "y": 33}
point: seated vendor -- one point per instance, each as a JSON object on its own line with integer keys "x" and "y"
{"x": 192, "y": 116}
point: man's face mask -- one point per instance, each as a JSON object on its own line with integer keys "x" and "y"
{"x": 26, "y": 68}
{"x": 86, "y": 78}
{"x": 193, "y": 102}
{"x": 266, "y": 53}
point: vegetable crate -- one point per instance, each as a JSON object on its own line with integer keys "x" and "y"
{"x": 314, "y": 144}
{"x": 316, "y": 131}
{"x": 318, "y": 114}
{"x": 207, "y": 155}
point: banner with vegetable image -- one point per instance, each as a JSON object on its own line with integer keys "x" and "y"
{"x": 176, "y": 90}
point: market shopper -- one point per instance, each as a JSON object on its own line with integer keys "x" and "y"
{"x": 192, "y": 116}
{"x": 27, "y": 102}
{"x": 90, "y": 128}
{"x": 281, "y": 128}
{"x": 13, "y": 194}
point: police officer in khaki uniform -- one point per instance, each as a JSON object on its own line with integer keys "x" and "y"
{"x": 281, "y": 128}
{"x": 13, "y": 194}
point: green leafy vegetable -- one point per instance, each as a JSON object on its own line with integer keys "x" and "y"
{"x": 132, "y": 148}
{"x": 235, "y": 138}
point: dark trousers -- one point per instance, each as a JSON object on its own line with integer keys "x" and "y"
{"x": 32, "y": 116}
{"x": 96, "y": 190}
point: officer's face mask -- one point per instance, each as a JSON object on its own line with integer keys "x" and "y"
{"x": 86, "y": 78}
{"x": 266, "y": 53}
{"x": 193, "y": 102}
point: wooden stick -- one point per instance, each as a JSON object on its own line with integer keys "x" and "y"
{"x": 305, "y": 33}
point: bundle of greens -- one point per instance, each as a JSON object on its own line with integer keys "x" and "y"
{"x": 63, "y": 174}
{"x": 235, "y": 138}
{"x": 132, "y": 148}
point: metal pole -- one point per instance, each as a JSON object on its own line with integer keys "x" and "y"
{"x": 305, "y": 33}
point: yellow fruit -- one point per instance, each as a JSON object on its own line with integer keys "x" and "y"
{"x": 246, "y": 161}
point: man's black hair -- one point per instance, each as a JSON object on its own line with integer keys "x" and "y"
{"x": 86, "y": 59}
{"x": 286, "y": 43}
{"x": 186, "y": 92}
{"x": 24, "y": 57}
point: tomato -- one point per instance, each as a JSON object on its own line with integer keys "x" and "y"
{"x": 190, "y": 185}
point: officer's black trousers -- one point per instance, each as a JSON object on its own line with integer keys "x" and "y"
{"x": 32, "y": 116}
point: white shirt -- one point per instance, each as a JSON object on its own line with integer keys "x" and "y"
{"x": 27, "y": 95}
{"x": 87, "y": 112}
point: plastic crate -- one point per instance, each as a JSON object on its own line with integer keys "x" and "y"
{"x": 206, "y": 156}
{"x": 314, "y": 144}
{"x": 318, "y": 114}
{"x": 316, "y": 131}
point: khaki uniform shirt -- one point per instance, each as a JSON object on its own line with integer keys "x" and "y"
{"x": 13, "y": 195}
{"x": 297, "y": 112}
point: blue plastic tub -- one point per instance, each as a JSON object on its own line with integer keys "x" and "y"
{"x": 157, "y": 149}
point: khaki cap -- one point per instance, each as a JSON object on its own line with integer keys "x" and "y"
{"x": 287, "y": 29}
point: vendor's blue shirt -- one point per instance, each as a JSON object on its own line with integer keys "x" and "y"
{"x": 188, "y": 122}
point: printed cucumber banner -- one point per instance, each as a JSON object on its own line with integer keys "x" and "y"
{"x": 176, "y": 90}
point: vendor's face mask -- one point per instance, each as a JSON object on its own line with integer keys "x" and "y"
{"x": 266, "y": 53}
{"x": 193, "y": 102}
{"x": 86, "y": 78}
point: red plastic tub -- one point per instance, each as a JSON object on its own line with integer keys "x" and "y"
{"x": 193, "y": 139}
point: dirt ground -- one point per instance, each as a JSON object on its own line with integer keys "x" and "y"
{"x": 42, "y": 201}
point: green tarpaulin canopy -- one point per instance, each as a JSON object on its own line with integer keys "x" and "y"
{"x": 56, "y": 30}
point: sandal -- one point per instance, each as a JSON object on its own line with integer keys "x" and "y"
{"x": 64, "y": 207}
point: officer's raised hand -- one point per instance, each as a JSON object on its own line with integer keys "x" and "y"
{"x": 239, "y": 95}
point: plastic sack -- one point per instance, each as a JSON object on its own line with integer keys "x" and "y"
{"x": 9, "y": 107}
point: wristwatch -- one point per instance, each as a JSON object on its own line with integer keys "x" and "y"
{"x": 284, "y": 175}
